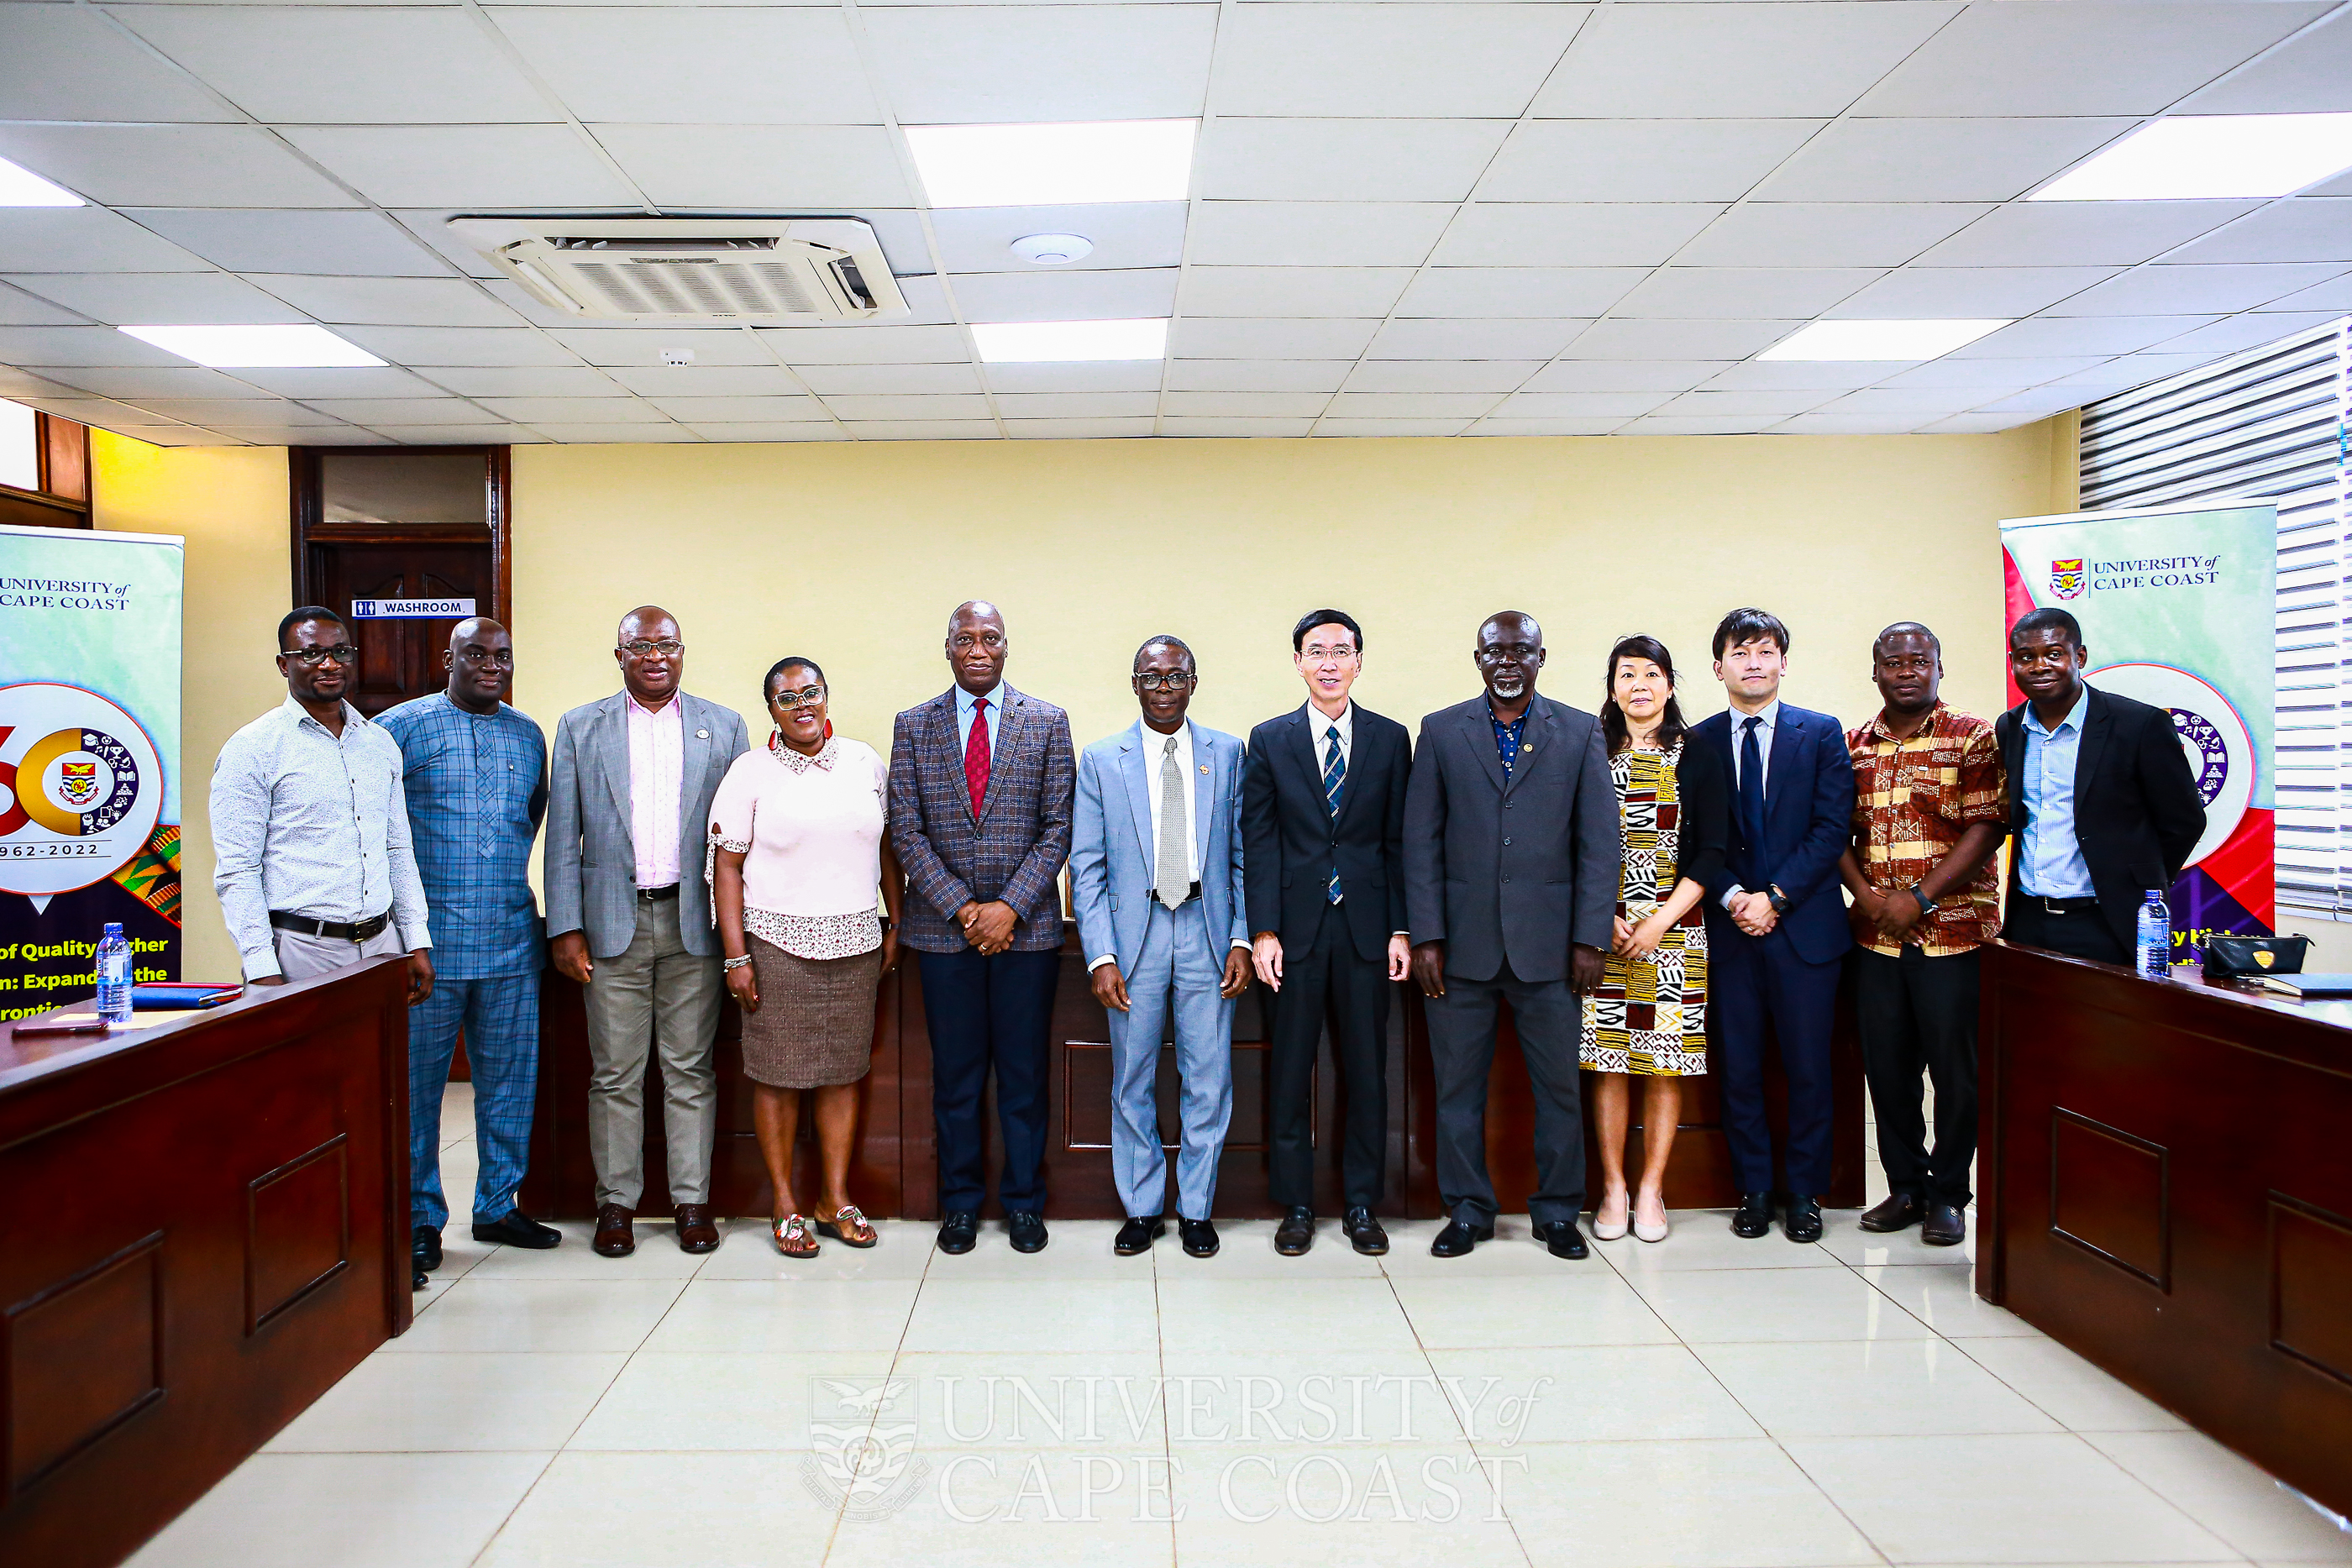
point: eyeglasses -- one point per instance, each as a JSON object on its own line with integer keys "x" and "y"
{"x": 965, "y": 641}
{"x": 311, "y": 658}
{"x": 1520, "y": 651}
{"x": 500, "y": 658}
{"x": 789, "y": 702}
{"x": 1175, "y": 682}
{"x": 641, "y": 649}
{"x": 1316, "y": 652}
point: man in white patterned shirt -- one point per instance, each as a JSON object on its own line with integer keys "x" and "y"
{"x": 313, "y": 864}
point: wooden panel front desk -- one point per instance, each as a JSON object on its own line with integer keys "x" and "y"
{"x": 209, "y": 1228}
{"x": 2166, "y": 1190}
{"x": 894, "y": 1171}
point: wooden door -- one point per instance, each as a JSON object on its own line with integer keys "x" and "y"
{"x": 400, "y": 659}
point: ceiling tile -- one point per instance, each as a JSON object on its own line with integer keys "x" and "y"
{"x": 347, "y": 244}
{"x": 2040, "y": 403}
{"x": 1493, "y": 377}
{"x": 1908, "y": 400}
{"x": 2248, "y": 331}
{"x": 926, "y": 430}
{"x": 78, "y": 346}
{"x": 529, "y": 381}
{"x": 1233, "y": 429}
{"x": 1697, "y": 424}
{"x": 165, "y": 381}
{"x": 2167, "y": 290}
{"x": 793, "y": 167}
{"x": 1410, "y": 405}
{"x": 736, "y": 65}
{"x": 1721, "y": 293}
{"x": 1933, "y": 160}
{"x": 1677, "y": 339}
{"x": 1315, "y": 234}
{"x": 389, "y": 301}
{"x": 1066, "y": 296}
{"x": 1640, "y": 61}
{"x": 104, "y": 414}
{"x": 1125, "y": 234}
{"x": 709, "y": 345}
{"x": 896, "y": 407}
{"x": 2312, "y": 228}
{"x": 1078, "y": 429}
{"x": 1522, "y": 291}
{"x": 1076, "y": 406}
{"x": 1246, "y": 404}
{"x": 1979, "y": 423}
{"x": 1774, "y": 375}
{"x": 1925, "y": 293}
{"x": 1293, "y": 291}
{"x": 574, "y": 410}
{"x": 1848, "y": 424}
{"x": 1106, "y": 375}
{"x": 2003, "y": 375}
{"x": 344, "y": 63}
{"x": 708, "y": 381}
{"x": 461, "y": 434}
{"x": 1746, "y": 405}
{"x": 121, "y": 298}
{"x": 18, "y": 309}
{"x": 335, "y": 434}
{"x": 1614, "y": 405}
{"x": 1344, "y": 160}
{"x": 2306, "y": 76}
{"x": 1019, "y": 64}
{"x": 2080, "y": 58}
{"x": 1577, "y": 233}
{"x": 1435, "y": 338}
{"x": 478, "y": 166}
{"x": 1213, "y": 338}
{"x": 735, "y": 410}
{"x": 382, "y": 413}
{"x": 66, "y": 62}
{"x": 1624, "y": 375}
{"x": 956, "y": 377}
{"x": 362, "y": 382}
{"x": 807, "y": 430}
{"x": 616, "y": 434}
{"x": 2082, "y": 234}
{"x": 236, "y": 411}
{"x": 85, "y": 239}
{"x": 859, "y": 345}
{"x": 2043, "y": 336}
{"x": 1257, "y": 375}
{"x": 461, "y": 345}
{"x": 2334, "y": 295}
{"x": 2135, "y": 369}
{"x": 1640, "y": 161}
{"x": 171, "y": 165}
{"x": 1834, "y": 234}
{"x": 1389, "y": 427}
{"x": 181, "y": 435}
{"x": 1499, "y": 428}
{"x": 1380, "y": 61}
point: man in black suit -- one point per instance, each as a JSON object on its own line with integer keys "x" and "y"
{"x": 1511, "y": 862}
{"x": 2102, "y": 801}
{"x": 1323, "y": 842}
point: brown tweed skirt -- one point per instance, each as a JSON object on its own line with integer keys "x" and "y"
{"x": 816, "y": 1022}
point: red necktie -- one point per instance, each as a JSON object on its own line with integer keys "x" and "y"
{"x": 975, "y": 755}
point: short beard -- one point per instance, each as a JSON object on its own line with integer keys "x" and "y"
{"x": 1511, "y": 692}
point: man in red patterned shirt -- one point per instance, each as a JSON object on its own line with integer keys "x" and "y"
{"x": 1929, "y": 811}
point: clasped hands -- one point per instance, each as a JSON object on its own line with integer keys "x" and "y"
{"x": 1753, "y": 913}
{"x": 1890, "y": 915}
{"x": 988, "y": 926}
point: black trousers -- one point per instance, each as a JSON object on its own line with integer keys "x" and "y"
{"x": 982, "y": 1013}
{"x": 1918, "y": 1014}
{"x": 1549, "y": 1019}
{"x": 1325, "y": 981}
{"x": 2082, "y": 934}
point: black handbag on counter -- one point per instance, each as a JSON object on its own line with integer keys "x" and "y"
{"x": 2235, "y": 958}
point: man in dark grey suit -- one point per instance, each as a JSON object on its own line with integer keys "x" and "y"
{"x": 1511, "y": 861}
{"x": 629, "y": 916}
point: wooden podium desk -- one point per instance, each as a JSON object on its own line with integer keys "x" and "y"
{"x": 209, "y": 1228}
{"x": 2166, "y": 1174}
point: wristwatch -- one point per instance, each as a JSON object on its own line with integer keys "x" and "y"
{"x": 1779, "y": 901}
{"x": 1927, "y": 904}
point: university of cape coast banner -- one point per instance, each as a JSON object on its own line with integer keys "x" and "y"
{"x": 2179, "y": 607}
{"x": 90, "y": 758}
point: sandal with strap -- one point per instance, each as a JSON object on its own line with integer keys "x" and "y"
{"x": 792, "y": 1237}
{"x": 849, "y": 1227}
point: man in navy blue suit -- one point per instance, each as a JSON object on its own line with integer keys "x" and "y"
{"x": 1775, "y": 927}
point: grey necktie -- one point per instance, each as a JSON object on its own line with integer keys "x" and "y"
{"x": 1175, "y": 865}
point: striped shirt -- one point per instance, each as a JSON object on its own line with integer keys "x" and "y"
{"x": 1912, "y": 800}
{"x": 477, "y": 789}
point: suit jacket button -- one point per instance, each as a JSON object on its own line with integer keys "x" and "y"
{"x": 1507, "y": 841}
{"x": 1507, "y": 876}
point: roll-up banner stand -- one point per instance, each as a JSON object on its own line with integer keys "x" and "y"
{"x": 90, "y": 758}
{"x": 2179, "y": 607}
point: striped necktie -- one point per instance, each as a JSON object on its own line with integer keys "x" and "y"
{"x": 1335, "y": 784}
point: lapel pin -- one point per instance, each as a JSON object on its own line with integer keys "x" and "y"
{"x": 702, "y": 734}
{"x": 1204, "y": 767}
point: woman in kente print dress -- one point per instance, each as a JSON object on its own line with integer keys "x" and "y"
{"x": 1647, "y": 1019}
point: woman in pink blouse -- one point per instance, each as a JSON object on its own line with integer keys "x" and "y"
{"x": 797, "y": 845}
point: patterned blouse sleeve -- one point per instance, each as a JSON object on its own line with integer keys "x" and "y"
{"x": 735, "y": 806}
{"x": 1984, "y": 793}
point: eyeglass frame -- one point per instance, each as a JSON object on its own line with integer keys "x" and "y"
{"x": 1172, "y": 681}
{"x": 799, "y": 699}
{"x": 643, "y": 648}
{"x": 343, "y": 653}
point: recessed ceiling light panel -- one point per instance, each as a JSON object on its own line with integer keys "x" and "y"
{"x": 22, "y": 188}
{"x": 2211, "y": 156}
{"x": 1890, "y": 340}
{"x": 1053, "y": 165}
{"x": 1032, "y": 342}
{"x": 256, "y": 348}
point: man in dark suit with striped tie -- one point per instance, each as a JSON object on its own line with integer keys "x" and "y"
{"x": 982, "y": 779}
{"x": 1323, "y": 846}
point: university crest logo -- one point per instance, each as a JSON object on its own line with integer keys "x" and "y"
{"x": 2067, "y": 578}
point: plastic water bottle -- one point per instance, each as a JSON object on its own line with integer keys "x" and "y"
{"x": 114, "y": 976}
{"x": 2154, "y": 936}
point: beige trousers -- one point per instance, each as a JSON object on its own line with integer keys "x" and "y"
{"x": 653, "y": 999}
{"x": 307, "y": 957}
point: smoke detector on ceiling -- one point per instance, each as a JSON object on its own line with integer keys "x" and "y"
{"x": 766, "y": 271}
{"x": 1053, "y": 250}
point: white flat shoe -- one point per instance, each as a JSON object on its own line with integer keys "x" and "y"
{"x": 1646, "y": 1232}
{"x": 1604, "y": 1230}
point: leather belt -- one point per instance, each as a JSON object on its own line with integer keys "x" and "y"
{"x": 334, "y": 930}
{"x": 1189, "y": 897}
{"x": 658, "y": 895}
{"x": 2064, "y": 905}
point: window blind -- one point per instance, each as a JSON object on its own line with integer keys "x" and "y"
{"x": 2271, "y": 424}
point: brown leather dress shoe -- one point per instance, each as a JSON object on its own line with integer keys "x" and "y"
{"x": 615, "y": 1236}
{"x": 695, "y": 1230}
{"x": 1944, "y": 1227}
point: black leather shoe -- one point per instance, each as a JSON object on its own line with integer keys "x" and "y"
{"x": 1028, "y": 1232}
{"x": 424, "y": 1247}
{"x": 1364, "y": 1232}
{"x": 1803, "y": 1219}
{"x": 1296, "y": 1234}
{"x": 1136, "y": 1235}
{"x": 1896, "y": 1211}
{"x": 419, "y": 1280}
{"x": 959, "y": 1232}
{"x": 1563, "y": 1239}
{"x": 1945, "y": 1226}
{"x": 1457, "y": 1238}
{"x": 517, "y": 1230}
{"x": 1200, "y": 1237}
{"x": 1754, "y": 1216}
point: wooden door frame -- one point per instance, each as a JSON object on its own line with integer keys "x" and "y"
{"x": 308, "y": 526}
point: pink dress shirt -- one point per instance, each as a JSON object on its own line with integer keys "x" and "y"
{"x": 810, "y": 832}
{"x": 656, "y": 766}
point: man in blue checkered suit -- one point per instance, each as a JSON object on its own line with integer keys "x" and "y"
{"x": 475, "y": 772}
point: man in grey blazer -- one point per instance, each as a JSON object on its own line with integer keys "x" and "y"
{"x": 1156, "y": 878}
{"x": 1511, "y": 861}
{"x": 629, "y": 916}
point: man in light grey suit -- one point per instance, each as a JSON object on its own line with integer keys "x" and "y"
{"x": 629, "y": 916}
{"x": 1511, "y": 861}
{"x": 1156, "y": 876}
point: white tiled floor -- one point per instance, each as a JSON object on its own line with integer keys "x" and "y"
{"x": 1704, "y": 1401}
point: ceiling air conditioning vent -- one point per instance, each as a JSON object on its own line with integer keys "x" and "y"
{"x": 780, "y": 271}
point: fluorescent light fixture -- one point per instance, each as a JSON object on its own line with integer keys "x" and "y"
{"x": 1052, "y": 165}
{"x": 2210, "y": 155}
{"x": 1853, "y": 341}
{"x": 256, "y": 348}
{"x": 1032, "y": 343}
{"x": 22, "y": 188}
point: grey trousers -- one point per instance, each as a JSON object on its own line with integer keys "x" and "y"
{"x": 1550, "y": 1022}
{"x": 654, "y": 997}
{"x": 304, "y": 958}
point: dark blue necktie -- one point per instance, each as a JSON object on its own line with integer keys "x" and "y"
{"x": 1751, "y": 787}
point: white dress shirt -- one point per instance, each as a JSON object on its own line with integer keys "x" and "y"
{"x": 1770, "y": 714}
{"x": 1319, "y": 726}
{"x": 1154, "y": 750}
{"x": 657, "y": 769}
